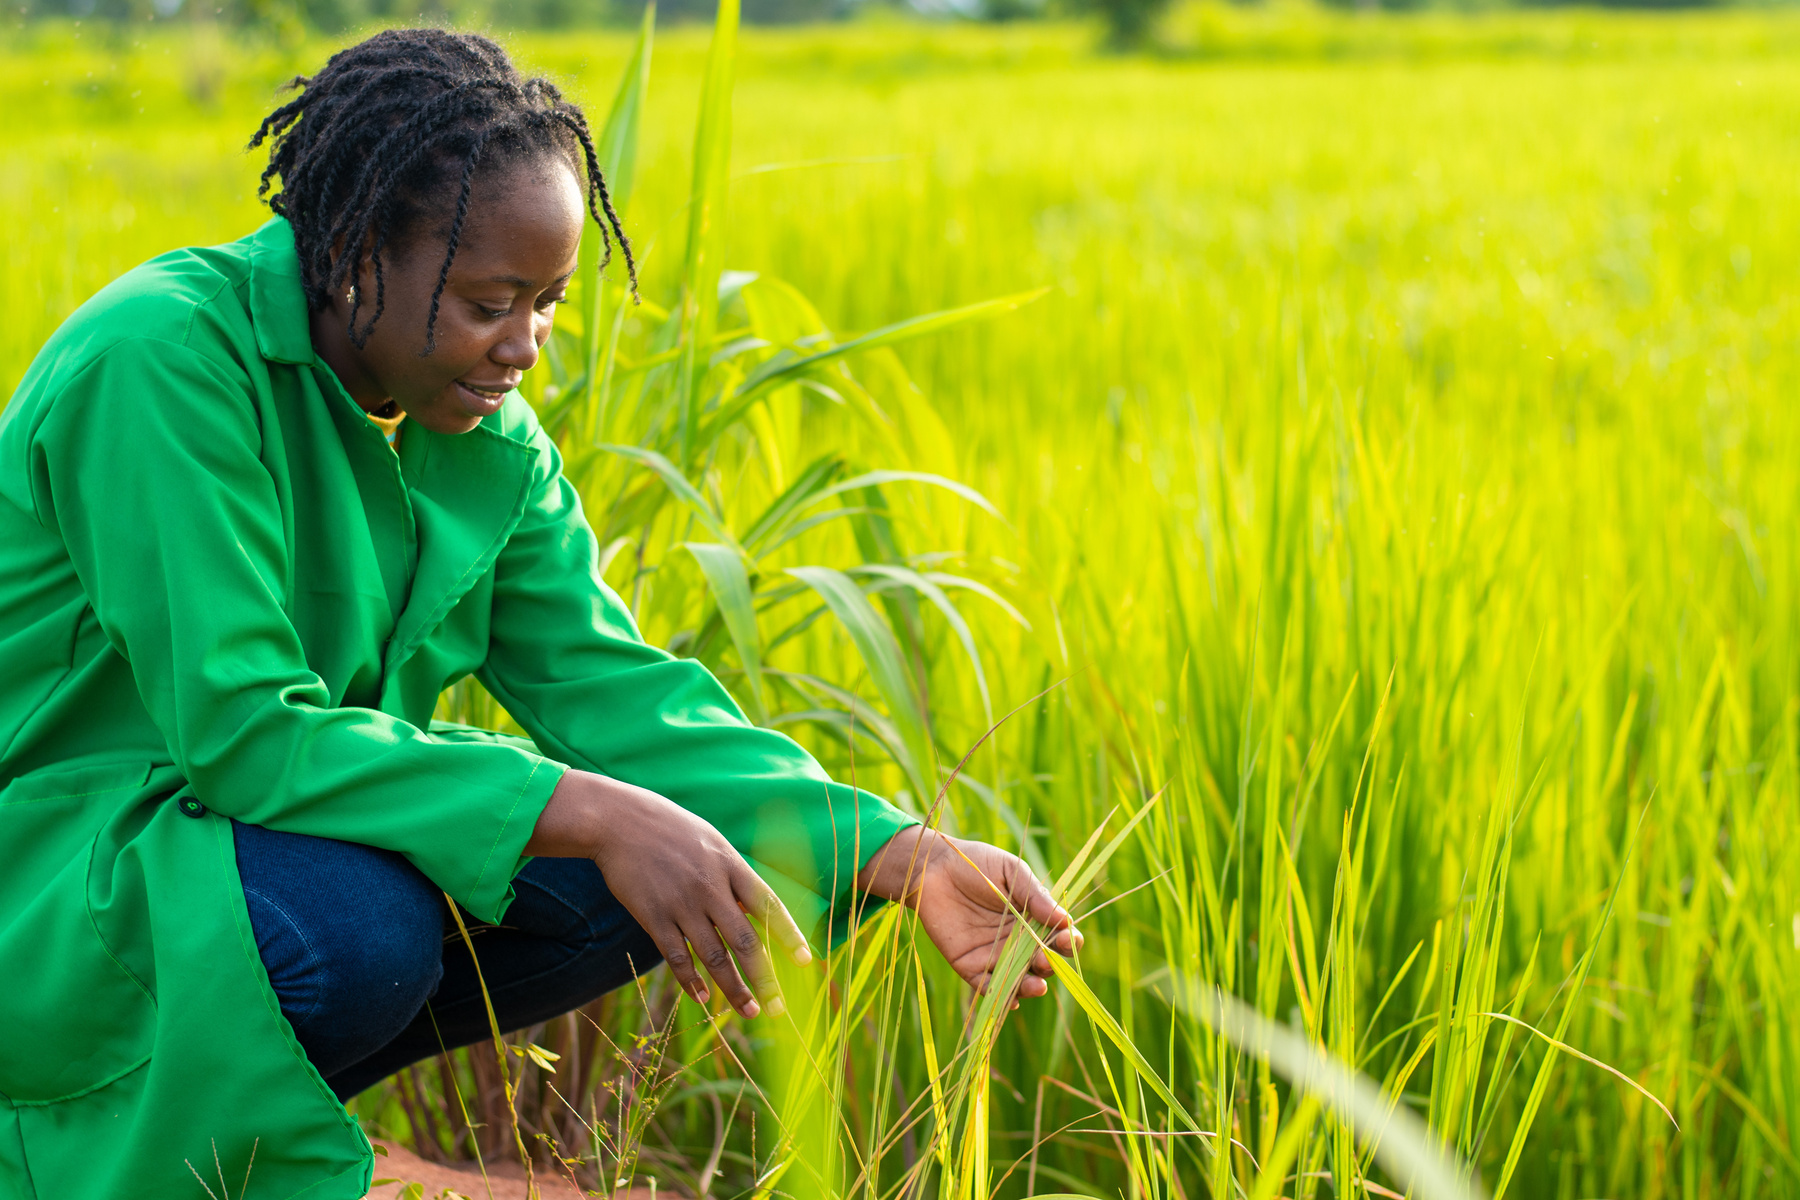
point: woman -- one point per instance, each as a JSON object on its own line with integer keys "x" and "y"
{"x": 259, "y": 505}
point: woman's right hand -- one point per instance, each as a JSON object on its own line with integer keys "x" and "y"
{"x": 678, "y": 876}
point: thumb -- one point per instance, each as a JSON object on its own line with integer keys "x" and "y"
{"x": 1034, "y": 899}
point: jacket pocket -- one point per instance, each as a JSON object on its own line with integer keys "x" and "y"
{"x": 72, "y": 1018}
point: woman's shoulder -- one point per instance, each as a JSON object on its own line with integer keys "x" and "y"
{"x": 182, "y": 319}
{"x": 187, "y": 307}
{"x": 194, "y": 297}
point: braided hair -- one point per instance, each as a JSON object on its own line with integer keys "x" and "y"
{"x": 368, "y": 148}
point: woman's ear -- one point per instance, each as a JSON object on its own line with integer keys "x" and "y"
{"x": 357, "y": 289}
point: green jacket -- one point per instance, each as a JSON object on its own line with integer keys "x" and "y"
{"x": 223, "y": 595}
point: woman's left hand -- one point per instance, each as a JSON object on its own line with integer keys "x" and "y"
{"x": 961, "y": 890}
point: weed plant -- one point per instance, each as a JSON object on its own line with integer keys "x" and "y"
{"x": 1382, "y": 528}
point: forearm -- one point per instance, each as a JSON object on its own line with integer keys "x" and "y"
{"x": 895, "y": 871}
{"x": 573, "y": 823}
{"x": 903, "y": 869}
{"x": 623, "y": 712}
{"x": 567, "y": 662}
{"x": 968, "y": 896}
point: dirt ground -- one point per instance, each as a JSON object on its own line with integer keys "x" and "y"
{"x": 507, "y": 1180}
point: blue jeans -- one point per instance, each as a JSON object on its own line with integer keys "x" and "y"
{"x": 371, "y": 971}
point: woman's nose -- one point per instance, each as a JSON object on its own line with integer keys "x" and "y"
{"x": 519, "y": 348}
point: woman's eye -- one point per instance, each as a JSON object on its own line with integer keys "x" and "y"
{"x": 495, "y": 314}
{"x": 550, "y": 301}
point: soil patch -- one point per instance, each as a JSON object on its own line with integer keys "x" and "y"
{"x": 507, "y": 1180}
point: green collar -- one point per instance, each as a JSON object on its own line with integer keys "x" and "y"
{"x": 277, "y": 301}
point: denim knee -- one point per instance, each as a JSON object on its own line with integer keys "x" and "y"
{"x": 351, "y": 937}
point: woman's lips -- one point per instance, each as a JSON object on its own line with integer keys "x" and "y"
{"x": 479, "y": 402}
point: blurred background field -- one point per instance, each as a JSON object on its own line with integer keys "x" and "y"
{"x": 1398, "y": 484}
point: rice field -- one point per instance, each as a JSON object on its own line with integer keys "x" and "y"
{"x": 1367, "y": 517}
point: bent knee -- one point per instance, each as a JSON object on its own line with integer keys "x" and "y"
{"x": 400, "y": 956}
{"x": 381, "y": 966}
{"x": 351, "y": 938}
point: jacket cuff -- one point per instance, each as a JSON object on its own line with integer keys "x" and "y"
{"x": 827, "y": 908}
{"x": 492, "y": 892}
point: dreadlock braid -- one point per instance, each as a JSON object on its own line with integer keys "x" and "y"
{"x": 462, "y": 210}
{"x": 389, "y": 131}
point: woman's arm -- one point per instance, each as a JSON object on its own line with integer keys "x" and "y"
{"x": 674, "y": 788}
{"x": 687, "y": 887}
{"x": 146, "y": 463}
{"x": 967, "y": 894}
{"x": 566, "y": 660}
{"x": 679, "y": 878}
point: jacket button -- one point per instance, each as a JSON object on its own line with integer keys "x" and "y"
{"x": 192, "y": 807}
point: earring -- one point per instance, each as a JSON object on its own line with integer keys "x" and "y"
{"x": 350, "y": 296}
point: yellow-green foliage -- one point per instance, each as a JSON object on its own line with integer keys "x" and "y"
{"x": 1399, "y": 479}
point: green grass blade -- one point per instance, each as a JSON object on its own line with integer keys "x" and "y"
{"x": 1403, "y": 1144}
{"x": 934, "y": 1074}
{"x": 946, "y": 580}
{"x": 1541, "y": 1085}
{"x": 908, "y": 577}
{"x": 875, "y": 643}
{"x": 1070, "y": 977}
{"x": 678, "y": 484}
{"x": 784, "y": 508}
{"x": 1079, "y": 875}
{"x": 780, "y": 370}
{"x": 1565, "y": 1048}
{"x": 706, "y": 218}
{"x": 616, "y": 151}
{"x": 616, "y": 147}
{"x": 1273, "y": 1173}
{"x": 877, "y": 478}
{"x": 723, "y": 567}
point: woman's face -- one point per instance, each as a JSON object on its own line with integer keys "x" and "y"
{"x": 513, "y": 263}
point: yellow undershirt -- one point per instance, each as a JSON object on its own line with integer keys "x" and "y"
{"x": 390, "y": 427}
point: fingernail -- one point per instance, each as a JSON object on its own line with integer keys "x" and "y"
{"x": 802, "y": 955}
{"x": 701, "y": 996}
{"x": 776, "y": 1007}
{"x": 751, "y": 1009}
